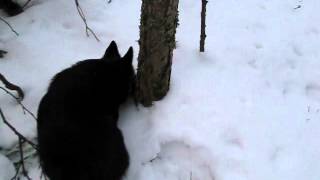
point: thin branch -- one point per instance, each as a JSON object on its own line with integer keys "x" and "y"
{"x": 22, "y": 140}
{"x": 17, "y": 172}
{"x": 12, "y": 87}
{"x": 20, "y": 103}
{"x": 24, "y": 171}
{"x": 20, "y": 136}
{"x": 19, "y": 91}
{"x": 88, "y": 29}
{"x": 203, "y": 25}
{"x": 153, "y": 159}
{"x": 21, "y": 164}
{"x": 8, "y": 24}
{"x": 298, "y": 7}
{"x": 26, "y": 3}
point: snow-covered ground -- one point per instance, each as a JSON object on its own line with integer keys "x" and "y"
{"x": 246, "y": 109}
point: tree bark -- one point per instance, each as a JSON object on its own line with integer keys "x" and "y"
{"x": 159, "y": 20}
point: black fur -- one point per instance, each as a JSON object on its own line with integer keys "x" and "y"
{"x": 10, "y": 7}
{"x": 77, "y": 119}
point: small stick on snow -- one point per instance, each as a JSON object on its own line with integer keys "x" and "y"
{"x": 17, "y": 172}
{"x": 153, "y": 159}
{"x": 298, "y": 7}
{"x": 25, "y": 4}
{"x": 9, "y": 25}
{"x": 20, "y": 136}
{"x": 12, "y": 87}
{"x": 20, "y": 103}
{"x": 88, "y": 29}
{"x": 22, "y": 140}
{"x": 24, "y": 171}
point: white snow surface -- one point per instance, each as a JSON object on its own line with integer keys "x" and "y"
{"x": 246, "y": 109}
{"x": 7, "y": 170}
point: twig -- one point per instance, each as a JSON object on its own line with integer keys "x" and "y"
{"x": 20, "y": 163}
{"x": 24, "y": 171}
{"x": 20, "y": 103}
{"x": 17, "y": 172}
{"x": 26, "y": 3}
{"x": 20, "y": 136}
{"x": 19, "y": 91}
{"x": 298, "y": 7}
{"x": 6, "y": 22}
{"x": 153, "y": 159}
{"x": 203, "y": 25}
{"x": 12, "y": 87}
{"x": 22, "y": 140}
{"x": 88, "y": 29}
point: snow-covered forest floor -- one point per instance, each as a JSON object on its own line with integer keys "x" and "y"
{"x": 246, "y": 109}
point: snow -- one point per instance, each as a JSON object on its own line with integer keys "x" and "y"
{"x": 7, "y": 170}
{"x": 246, "y": 109}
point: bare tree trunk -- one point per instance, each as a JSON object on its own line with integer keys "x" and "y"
{"x": 159, "y": 20}
{"x": 203, "y": 25}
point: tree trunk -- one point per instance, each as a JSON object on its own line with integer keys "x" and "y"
{"x": 203, "y": 25}
{"x": 159, "y": 20}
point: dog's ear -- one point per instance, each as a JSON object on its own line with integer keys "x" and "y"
{"x": 128, "y": 57}
{"x": 112, "y": 52}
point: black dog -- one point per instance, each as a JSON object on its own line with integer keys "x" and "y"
{"x": 10, "y": 7}
{"x": 77, "y": 119}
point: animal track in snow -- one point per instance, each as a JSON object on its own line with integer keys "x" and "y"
{"x": 67, "y": 25}
{"x": 313, "y": 91}
{"x": 179, "y": 160}
{"x": 297, "y": 51}
{"x": 258, "y": 46}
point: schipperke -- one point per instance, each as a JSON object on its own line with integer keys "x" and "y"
{"x": 77, "y": 119}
